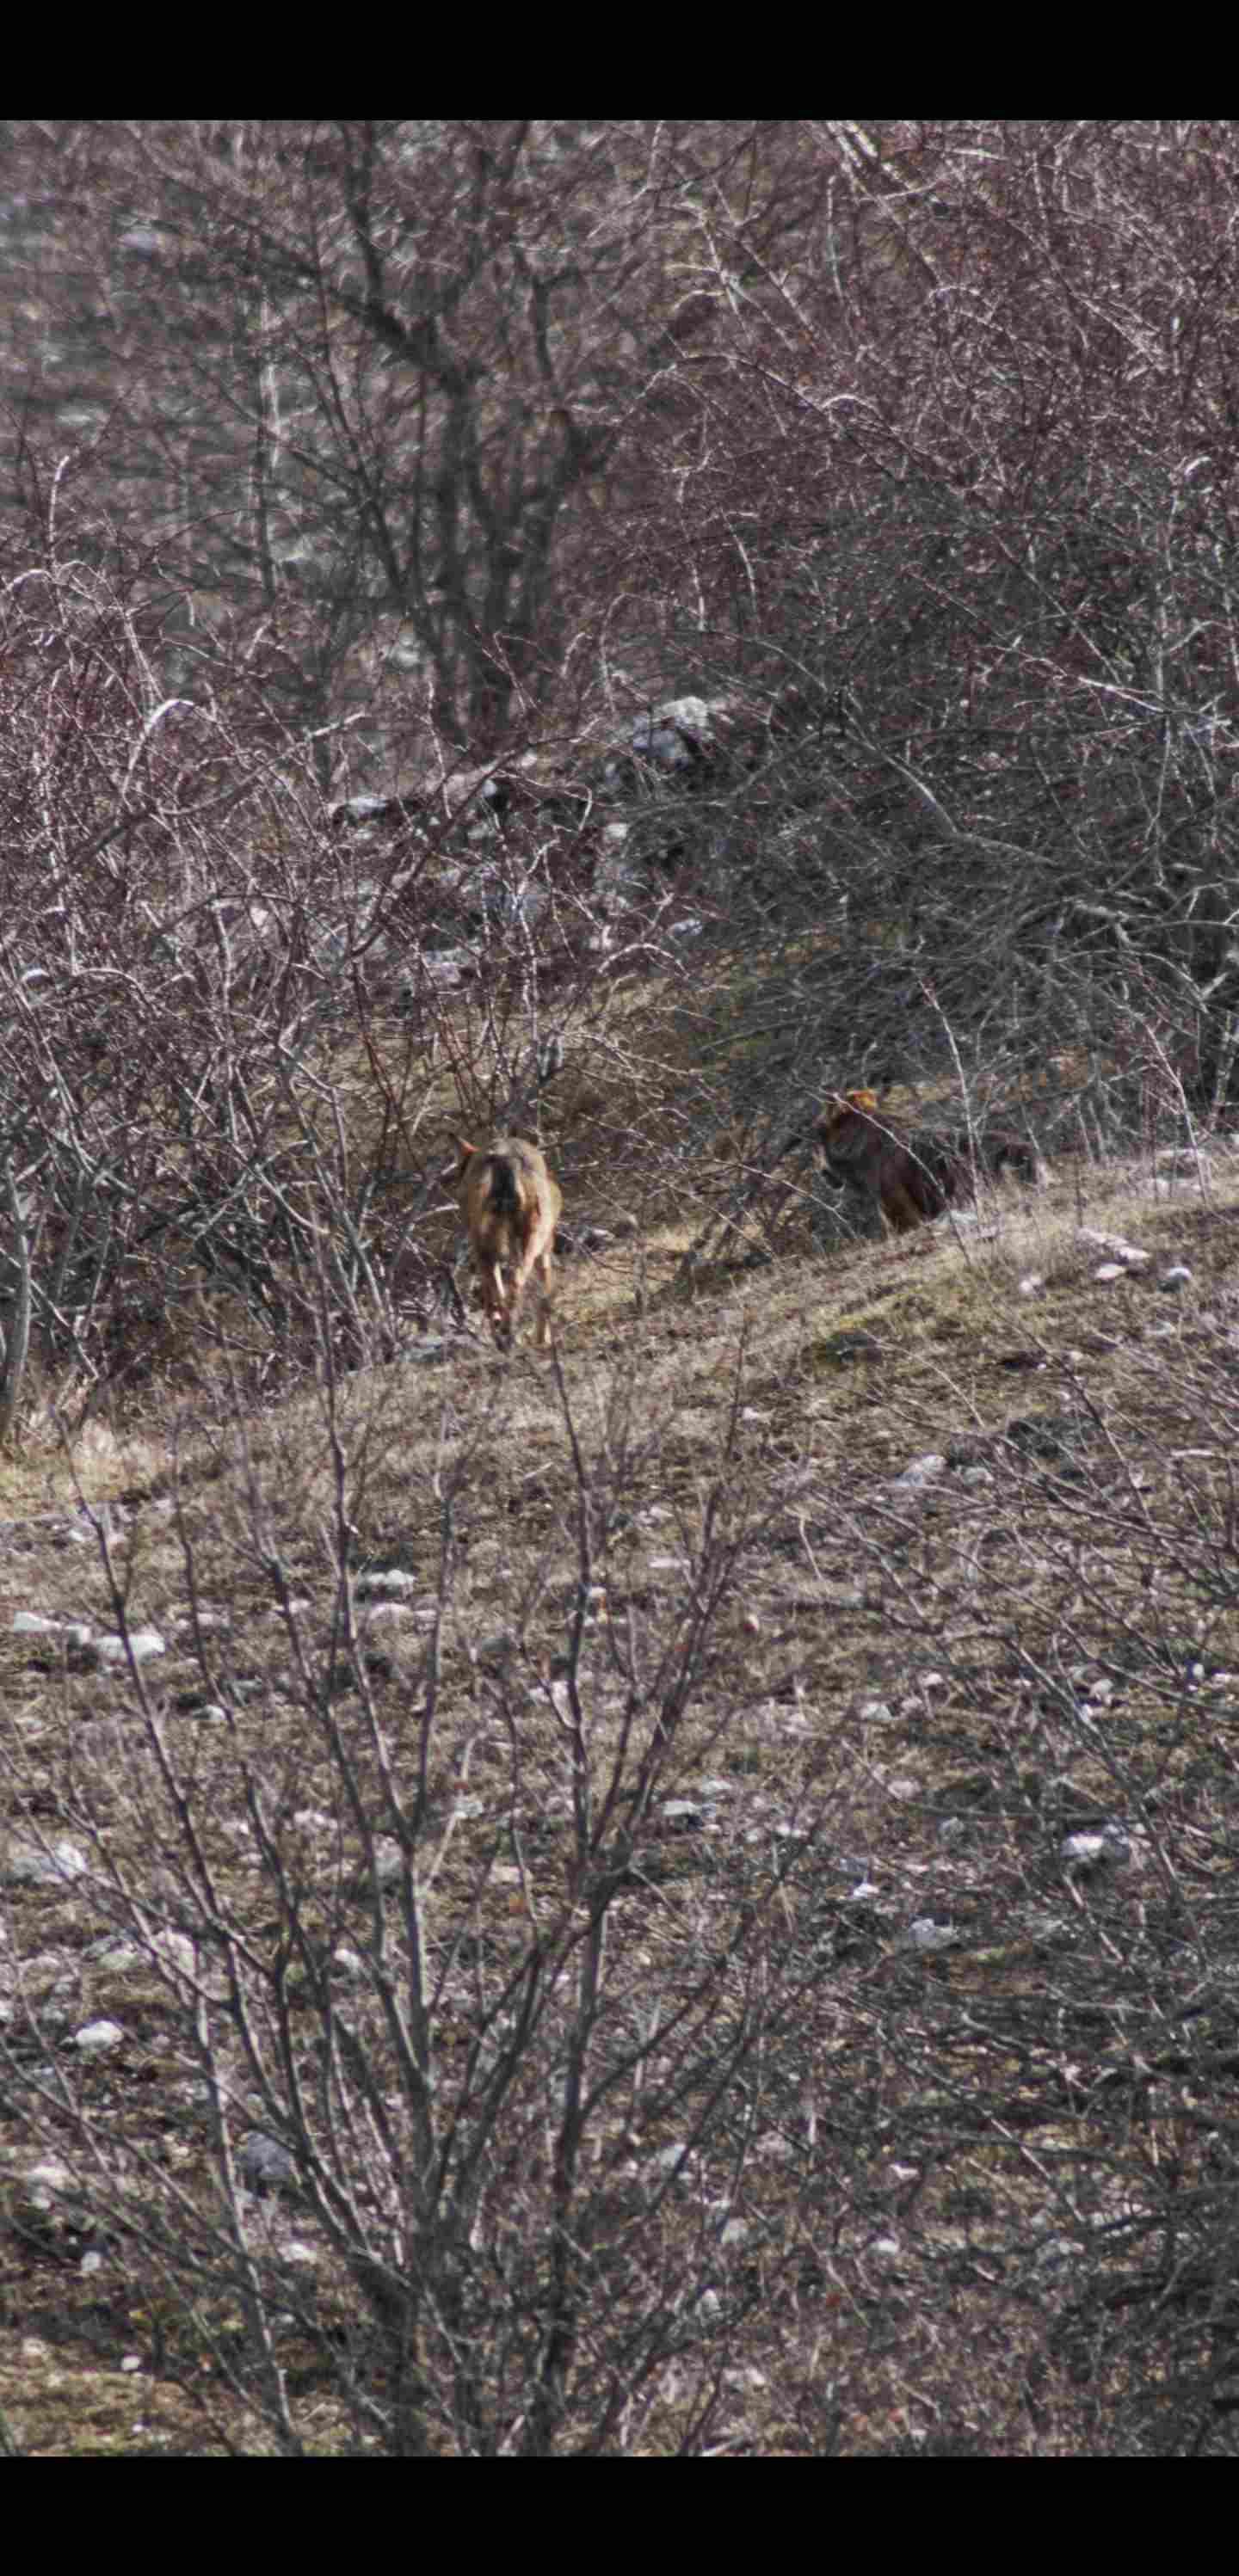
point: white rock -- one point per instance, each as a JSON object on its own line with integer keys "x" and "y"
{"x": 262, "y": 2160}
{"x": 925, "y": 1934}
{"x": 175, "y": 1950}
{"x": 48, "y": 2177}
{"x": 26, "y": 1865}
{"x": 142, "y": 1643}
{"x": 684, "y": 1813}
{"x": 96, "y": 2036}
{"x": 923, "y": 1471}
{"x": 117, "y": 1953}
{"x": 1086, "y": 1851}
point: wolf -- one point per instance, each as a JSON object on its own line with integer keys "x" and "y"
{"x": 512, "y": 1204}
{"x": 913, "y": 1176}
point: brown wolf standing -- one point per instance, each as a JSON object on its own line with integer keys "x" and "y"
{"x": 512, "y": 1206}
{"x": 913, "y": 1177}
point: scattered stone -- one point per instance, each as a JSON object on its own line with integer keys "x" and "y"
{"x": 1129, "y": 1255}
{"x": 927, "y": 1935}
{"x": 141, "y": 1644}
{"x": 175, "y": 1951}
{"x": 43, "y": 2181}
{"x": 71, "y": 1632}
{"x": 29, "y": 1865}
{"x": 496, "y": 1649}
{"x": 1108, "y": 1847}
{"x": 923, "y": 1471}
{"x": 117, "y": 1953}
{"x": 96, "y": 2037}
{"x": 263, "y": 2164}
{"x": 372, "y": 1585}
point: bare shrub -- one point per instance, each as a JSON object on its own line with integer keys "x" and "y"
{"x": 438, "y": 1915}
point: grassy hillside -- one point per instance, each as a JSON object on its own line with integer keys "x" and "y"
{"x": 704, "y": 1863}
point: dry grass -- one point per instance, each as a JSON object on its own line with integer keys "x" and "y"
{"x": 869, "y": 1675}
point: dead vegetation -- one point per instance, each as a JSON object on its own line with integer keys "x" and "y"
{"x": 671, "y": 1893}
{"x": 702, "y": 1863}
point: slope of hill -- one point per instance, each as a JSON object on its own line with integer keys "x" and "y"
{"x": 672, "y": 1898}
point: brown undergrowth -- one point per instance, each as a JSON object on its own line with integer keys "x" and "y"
{"x": 728, "y": 1933}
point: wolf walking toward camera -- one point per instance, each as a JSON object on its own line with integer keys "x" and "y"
{"x": 512, "y": 1204}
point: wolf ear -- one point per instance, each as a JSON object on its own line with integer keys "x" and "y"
{"x": 866, "y": 1100}
{"x": 464, "y": 1156}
